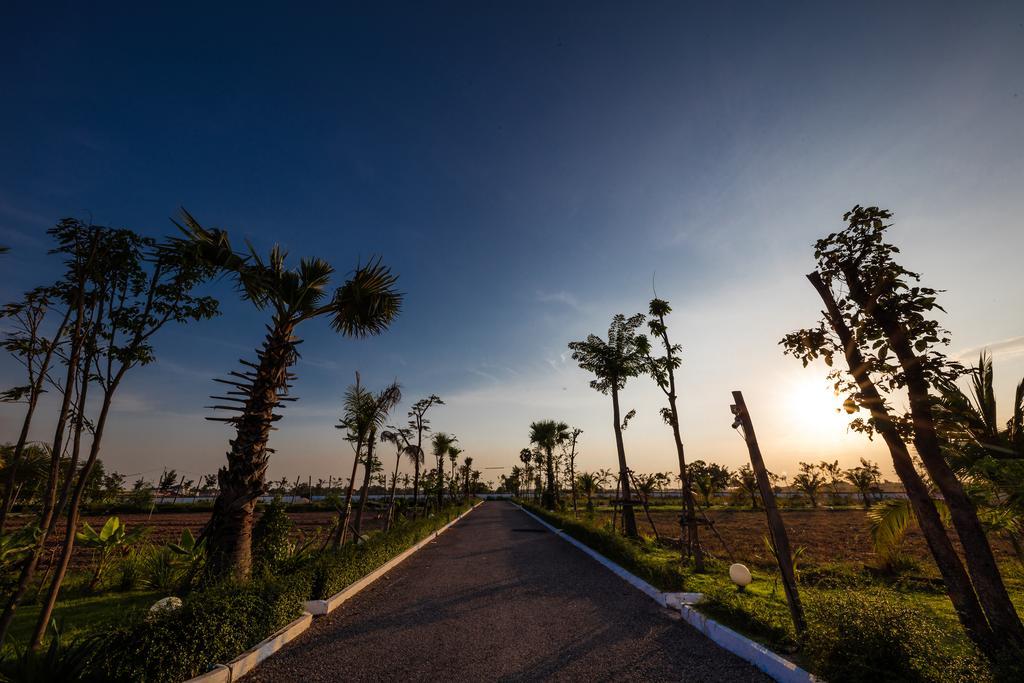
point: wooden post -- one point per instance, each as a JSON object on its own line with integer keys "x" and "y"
{"x": 775, "y": 526}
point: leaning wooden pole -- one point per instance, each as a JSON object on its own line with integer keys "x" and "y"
{"x": 780, "y": 540}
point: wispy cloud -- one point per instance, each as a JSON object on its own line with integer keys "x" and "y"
{"x": 560, "y": 297}
{"x": 1004, "y": 348}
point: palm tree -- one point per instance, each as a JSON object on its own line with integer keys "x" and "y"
{"x": 441, "y": 443}
{"x": 588, "y": 485}
{"x": 399, "y": 437}
{"x": 546, "y": 434}
{"x": 377, "y": 414}
{"x": 419, "y": 423}
{"x": 614, "y": 361}
{"x": 526, "y": 457}
{"x": 453, "y": 455}
{"x": 365, "y": 305}
{"x": 809, "y": 481}
{"x": 864, "y": 478}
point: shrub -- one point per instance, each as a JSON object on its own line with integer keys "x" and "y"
{"x": 271, "y": 538}
{"x": 869, "y": 636}
{"x": 212, "y": 626}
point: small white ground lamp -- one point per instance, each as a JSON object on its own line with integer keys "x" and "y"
{"x": 740, "y": 575}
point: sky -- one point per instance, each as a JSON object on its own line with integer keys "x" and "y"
{"x": 528, "y": 169}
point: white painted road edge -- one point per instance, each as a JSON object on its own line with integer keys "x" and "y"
{"x": 780, "y": 669}
{"x": 251, "y": 658}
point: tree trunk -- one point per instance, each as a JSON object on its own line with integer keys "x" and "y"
{"x": 628, "y": 519}
{"x": 391, "y": 497}
{"x": 71, "y": 526}
{"x": 229, "y": 532}
{"x": 780, "y": 540}
{"x": 32, "y": 561}
{"x": 958, "y": 585}
{"x": 365, "y": 492}
{"x": 346, "y": 511}
{"x": 981, "y": 563}
{"x": 549, "y": 490}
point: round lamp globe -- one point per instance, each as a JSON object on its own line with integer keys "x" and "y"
{"x": 740, "y": 575}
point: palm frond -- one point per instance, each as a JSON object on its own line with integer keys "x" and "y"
{"x": 367, "y": 303}
{"x": 888, "y": 522}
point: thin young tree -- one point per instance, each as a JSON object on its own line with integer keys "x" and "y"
{"x": 526, "y": 457}
{"x": 663, "y": 370}
{"x": 35, "y": 350}
{"x": 81, "y": 246}
{"x": 571, "y": 452}
{"x": 613, "y": 362}
{"x": 441, "y": 443}
{"x": 546, "y": 434}
{"x": 375, "y": 417}
{"x": 356, "y": 405}
{"x": 865, "y": 478}
{"x": 877, "y": 318}
{"x": 419, "y": 423}
{"x": 399, "y": 438}
{"x": 365, "y": 305}
{"x": 453, "y": 481}
{"x": 144, "y": 288}
{"x": 809, "y": 481}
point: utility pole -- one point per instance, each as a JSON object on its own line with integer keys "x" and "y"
{"x": 780, "y": 541}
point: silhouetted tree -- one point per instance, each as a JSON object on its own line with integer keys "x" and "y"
{"x": 614, "y": 361}
{"x": 365, "y": 305}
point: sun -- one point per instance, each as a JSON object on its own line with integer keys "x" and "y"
{"x": 813, "y": 406}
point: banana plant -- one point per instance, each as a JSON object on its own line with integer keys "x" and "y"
{"x": 111, "y": 537}
{"x": 188, "y": 547}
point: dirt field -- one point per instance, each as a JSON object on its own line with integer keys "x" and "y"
{"x": 166, "y": 527}
{"x": 826, "y": 535}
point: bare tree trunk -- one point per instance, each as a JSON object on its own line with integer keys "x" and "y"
{"x": 958, "y": 585}
{"x": 780, "y": 540}
{"x": 391, "y": 498}
{"x": 628, "y": 519}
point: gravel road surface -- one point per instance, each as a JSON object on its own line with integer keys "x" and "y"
{"x": 497, "y": 597}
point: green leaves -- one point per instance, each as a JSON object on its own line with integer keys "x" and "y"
{"x": 622, "y": 356}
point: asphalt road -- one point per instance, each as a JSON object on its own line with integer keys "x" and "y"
{"x": 497, "y": 597}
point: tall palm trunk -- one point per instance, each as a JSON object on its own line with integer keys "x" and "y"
{"x": 365, "y": 491}
{"x": 549, "y": 490}
{"x": 981, "y": 563}
{"x": 958, "y": 584}
{"x": 229, "y": 532}
{"x": 391, "y": 496}
{"x": 628, "y": 519}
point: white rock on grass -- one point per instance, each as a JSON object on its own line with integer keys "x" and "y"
{"x": 165, "y": 605}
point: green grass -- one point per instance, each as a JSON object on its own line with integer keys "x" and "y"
{"x": 81, "y": 615}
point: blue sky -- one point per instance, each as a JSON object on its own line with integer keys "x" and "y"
{"x": 528, "y": 169}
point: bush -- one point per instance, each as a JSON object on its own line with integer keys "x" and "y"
{"x": 271, "y": 538}
{"x": 866, "y": 636}
{"x": 212, "y": 626}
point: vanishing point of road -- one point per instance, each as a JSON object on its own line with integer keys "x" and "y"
{"x": 497, "y": 597}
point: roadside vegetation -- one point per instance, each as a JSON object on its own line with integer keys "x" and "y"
{"x": 99, "y": 580}
{"x": 948, "y": 611}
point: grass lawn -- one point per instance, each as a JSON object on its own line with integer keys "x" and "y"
{"x": 79, "y": 615}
